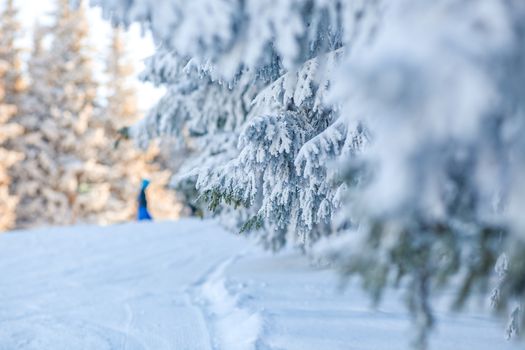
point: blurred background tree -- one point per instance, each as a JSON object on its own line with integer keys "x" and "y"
{"x": 59, "y": 173}
{"x": 8, "y": 201}
{"x": 11, "y": 86}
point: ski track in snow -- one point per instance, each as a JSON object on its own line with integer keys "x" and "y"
{"x": 129, "y": 322}
{"x": 231, "y": 326}
{"x": 189, "y": 285}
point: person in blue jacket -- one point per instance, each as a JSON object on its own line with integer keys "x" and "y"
{"x": 142, "y": 212}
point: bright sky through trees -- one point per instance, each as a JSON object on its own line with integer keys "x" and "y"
{"x": 140, "y": 46}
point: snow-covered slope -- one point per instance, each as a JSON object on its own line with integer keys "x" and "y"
{"x": 190, "y": 285}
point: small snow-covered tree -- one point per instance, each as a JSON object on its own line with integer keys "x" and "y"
{"x": 11, "y": 84}
{"x": 60, "y": 180}
{"x": 8, "y": 200}
{"x": 202, "y": 115}
{"x": 29, "y": 176}
{"x": 10, "y": 52}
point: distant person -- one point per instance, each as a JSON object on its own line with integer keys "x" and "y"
{"x": 143, "y": 213}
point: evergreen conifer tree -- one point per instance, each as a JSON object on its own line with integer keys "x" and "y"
{"x": 10, "y": 52}
{"x": 8, "y": 158}
{"x": 11, "y": 85}
{"x": 60, "y": 180}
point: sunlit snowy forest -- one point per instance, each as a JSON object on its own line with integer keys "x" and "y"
{"x": 65, "y": 161}
{"x": 373, "y": 151}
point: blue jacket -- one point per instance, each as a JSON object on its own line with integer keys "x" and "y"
{"x": 143, "y": 213}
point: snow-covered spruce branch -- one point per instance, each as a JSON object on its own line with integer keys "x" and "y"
{"x": 282, "y": 168}
{"x": 235, "y": 34}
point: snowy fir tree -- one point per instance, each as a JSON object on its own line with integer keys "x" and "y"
{"x": 323, "y": 120}
{"x": 11, "y": 85}
{"x": 60, "y": 179}
{"x": 8, "y": 200}
{"x": 210, "y": 112}
{"x": 10, "y": 52}
{"x": 200, "y": 115}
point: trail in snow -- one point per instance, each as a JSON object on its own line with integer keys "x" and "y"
{"x": 186, "y": 286}
{"x": 233, "y": 327}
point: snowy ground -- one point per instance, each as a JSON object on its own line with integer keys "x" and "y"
{"x": 189, "y": 285}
